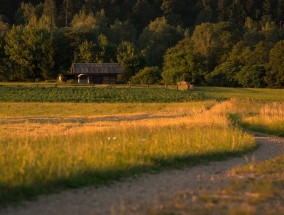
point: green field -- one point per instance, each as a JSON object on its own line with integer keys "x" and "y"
{"x": 136, "y": 94}
{"x": 89, "y": 94}
{"x": 222, "y": 93}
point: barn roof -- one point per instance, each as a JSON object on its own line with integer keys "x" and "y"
{"x": 96, "y": 68}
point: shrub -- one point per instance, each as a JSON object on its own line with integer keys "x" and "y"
{"x": 148, "y": 75}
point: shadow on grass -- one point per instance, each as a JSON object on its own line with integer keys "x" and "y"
{"x": 262, "y": 129}
{"x": 11, "y": 194}
{"x": 236, "y": 120}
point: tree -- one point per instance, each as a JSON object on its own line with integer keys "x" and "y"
{"x": 31, "y": 50}
{"x": 129, "y": 59}
{"x": 142, "y": 13}
{"x": 97, "y": 22}
{"x": 50, "y": 11}
{"x": 251, "y": 76}
{"x": 68, "y": 10}
{"x": 179, "y": 12}
{"x": 156, "y": 38}
{"x": 236, "y": 12}
{"x": 63, "y": 49}
{"x": 275, "y": 72}
{"x": 212, "y": 41}
{"x": 280, "y": 11}
{"x": 106, "y": 50}
{"x": 25, "y": 13}
{"x": 272, "y": 33}
{"x": 83, "y": 20}
{"x": 86, "y": 53}
{"x": 148, "y": 75}
{"x": 4, "y": 71}
{"x": 122, "y": 31}
{"x": 180, "y": 64}
{"x": 4, "y": 27}
{"x": 222, "y": 9}
{"x": 225, "y": 74}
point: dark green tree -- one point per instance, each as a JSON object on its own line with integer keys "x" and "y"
{"x": 251, "y": 76}
{"x": 122, "y": 31}
{"x": 180, "y": 64}
{"x": 275, "y": 72}
{"x": 224, "y": 74}
{"x": 156, "y": 38}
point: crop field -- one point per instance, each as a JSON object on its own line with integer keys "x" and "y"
{"x": 89, "y": 94}
{"x": 57, "y": 145}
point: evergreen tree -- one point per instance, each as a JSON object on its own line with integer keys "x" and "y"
{"x": 67, "y": 11}
{"x": 50, "y": 11}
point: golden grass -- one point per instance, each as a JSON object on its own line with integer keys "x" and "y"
{"x": 41, "y": 151}
{"x": 16, "y": 110}
{"x": 269, "y": 119}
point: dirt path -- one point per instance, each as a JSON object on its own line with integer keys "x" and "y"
{"x": 125, "y": 197}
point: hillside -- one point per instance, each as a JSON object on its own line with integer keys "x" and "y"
{"x": 219, "y": 42}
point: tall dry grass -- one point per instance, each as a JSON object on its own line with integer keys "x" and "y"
{"x": 39, "y": 154}
{"x": 270, "y": 119}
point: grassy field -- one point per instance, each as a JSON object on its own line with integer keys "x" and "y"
{"x": 55, "y": 151}
{"x": 270, "y": 120}
{"x": 57, "y": 144}
{"x": 221, "y": 93}
{"x": 32, "y": 109}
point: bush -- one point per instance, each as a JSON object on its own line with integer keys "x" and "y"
{"x": 148, "y": 75}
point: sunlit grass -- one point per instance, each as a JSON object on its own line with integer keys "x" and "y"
{"x": 270, "y": 119}
{"x": 14, "y": 109}
{"x": 49, "y": 153}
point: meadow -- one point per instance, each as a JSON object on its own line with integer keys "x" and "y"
{"x": 46, "y": 147}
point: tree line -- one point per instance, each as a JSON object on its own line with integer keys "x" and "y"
{"x": 237, "y": 43}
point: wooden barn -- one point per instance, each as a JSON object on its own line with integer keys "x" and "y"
{"x": 96, "y": 73}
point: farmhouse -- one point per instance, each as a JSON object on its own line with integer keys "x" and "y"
{"x": 96, "y": 73}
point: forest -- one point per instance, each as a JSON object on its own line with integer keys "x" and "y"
{"x": 232, "y": 43}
